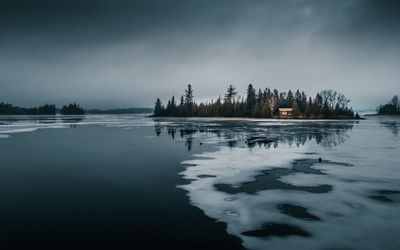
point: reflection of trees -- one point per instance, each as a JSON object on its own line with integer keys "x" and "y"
{"x": 72, "y": 119}
{"x": 232, "y": 133}
{"x": 40, "y": 119}
{"x": 47, "y": 120}
{"x": 393, "y": 126}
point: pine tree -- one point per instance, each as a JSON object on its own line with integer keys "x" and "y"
{"x": 296, "y": 110}
{"x": 266, "y": 110}
{"x": 289, "y": 98}
{"x": 303, "y": 103}
{"x": 189, "y": 101}
{"x": 71, "y": 109}
{"x": 325, "y": 110}
{"x": 317, "y": 105}
{"x": 251, "y": 99}
{"x": 158, "y": 108}
{"x": 228, "y": 106}
{"x": 297, "y": 97}
{"x": 308, "y": 110}
{"x": 230, "y": 94}
{"x": 327, "y": 104}
{"x": 173, "y": 106}
{"x": 189, "y": 96}
{"x": 259, "y": 96}
{"x": 168, "y": 110}
{"x": 255, "y": 110}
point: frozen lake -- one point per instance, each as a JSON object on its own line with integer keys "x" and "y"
{"x": 200, "y": 183}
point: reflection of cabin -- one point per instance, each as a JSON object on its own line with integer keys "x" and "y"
{"x": 285, "y": 111}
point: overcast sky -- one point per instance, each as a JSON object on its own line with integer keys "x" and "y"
{"x": 127, "y": 53}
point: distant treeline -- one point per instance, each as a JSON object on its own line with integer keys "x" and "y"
{"x": 9, "y": 109}
{"x": 121, "y": 111}
{"x": 391, "y": 108}
{"x": 46, "y": 109}
{"x": 259, "y": 104}
{"x": 72, "y": 109}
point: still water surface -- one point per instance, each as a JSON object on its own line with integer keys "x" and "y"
{"x": 128, "y": 181}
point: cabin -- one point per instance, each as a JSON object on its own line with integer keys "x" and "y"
{"x": 285, "y": 111}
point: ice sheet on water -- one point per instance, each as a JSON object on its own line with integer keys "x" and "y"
{"x": 354, "y": 213}
{"x": 21, "y": 124}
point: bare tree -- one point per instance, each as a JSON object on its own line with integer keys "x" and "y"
{"x": 342, "y": 101}
{"x": 329, "y": 96}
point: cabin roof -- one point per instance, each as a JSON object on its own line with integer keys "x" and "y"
{"x": 285, "y": 109}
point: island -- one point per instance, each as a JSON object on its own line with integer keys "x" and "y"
{"x": 46, "y": 109}
{"x": 9, "y": 109}
{"x": 391, "y": 108}
{"x": 120, "y": 111}
{"x": 72, "y": 109}
{"x": 327, "y": 104}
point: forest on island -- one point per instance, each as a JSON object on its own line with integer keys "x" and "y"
{"x": 121, "y": 111}
{"x": 72, "y": 109}
{"x": 391, "y": 108}
{"x": 9, "y": 109}
{"x": 46, "y": 109}
{"x": 259, "y": 104}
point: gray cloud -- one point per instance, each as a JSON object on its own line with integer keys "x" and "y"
{"x": 127, "y": 53}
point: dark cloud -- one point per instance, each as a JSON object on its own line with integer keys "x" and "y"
{"x": 125, "y": 53}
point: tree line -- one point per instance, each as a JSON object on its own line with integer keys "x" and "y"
{"x": 121, "y": 111}
{"x": 9, "y": 109}
{"x": 46, "y": 109}
{"x": 72, "y": 109}
{"x": 259, "y": 104}
{"x": 391, "y": 108}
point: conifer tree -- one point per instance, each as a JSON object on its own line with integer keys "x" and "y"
{"x": 308, "y": 110}
{"x": 263, "y": 104}
{"x": 289, "y": 98}
{"x": 297, "y": 97}
{"x": 325, "y": 110}
{"x": 251, "y": 99}
{"x": 317, "y": 105}
{"x": 188, "y": 103}
{"x": 266, "y": 110}
{"x": 189, "y": 97}
{"x": 255, "y": 112}
{"x": 303, "y": 103}
{"x": 296, "y": 110}
{"x": 230, "y": 94}
{"x": 259, "y": 96}
{"x": 158, "y": 108}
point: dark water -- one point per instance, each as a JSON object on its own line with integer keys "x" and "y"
{"x": 128, "y": 182}
{"x": 97, "y": 187}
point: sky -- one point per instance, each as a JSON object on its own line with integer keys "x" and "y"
{"x": 110, "y": 54}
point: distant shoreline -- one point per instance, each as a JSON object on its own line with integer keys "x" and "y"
{"x": 254, "y": 118}
{"x": 382, "y": 115}
{"x": 267, "y": 103}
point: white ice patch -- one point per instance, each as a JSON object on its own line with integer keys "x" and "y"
{"x": 18, "y": 130}
{"x": 349, "y": 217}
{"x": 23, "y": 124}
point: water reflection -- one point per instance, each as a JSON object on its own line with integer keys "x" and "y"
{"x": 72, "y": 119}
{"x": 393, "y": 125}
{"x": 256, "y": 133}
{"x": 285, "y": 185}
{"x": 10, "y": 124}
